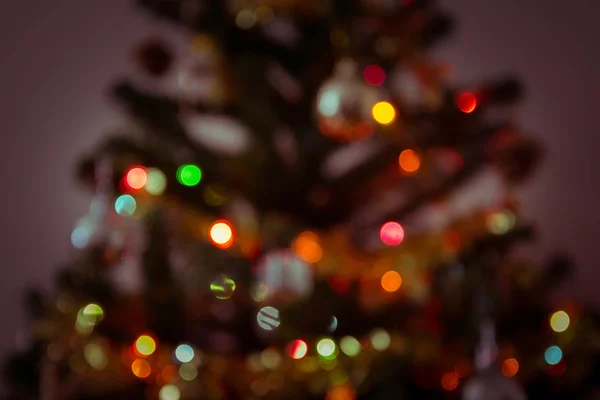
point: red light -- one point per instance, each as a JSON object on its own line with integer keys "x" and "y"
{"x": 297, "y": 349}
{"x": 339, "y": 284}
{"x": 136, "y": 178}
{"x": 374, "y": 75}
{"x": 391, "y": 233}
{"x": 450, "y": 381}
{"x": 466, "y": 102}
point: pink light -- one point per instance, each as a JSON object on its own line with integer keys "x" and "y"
{"x": 391, "y": 233}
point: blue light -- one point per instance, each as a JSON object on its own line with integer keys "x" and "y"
{"x": 125, "y": 205}
{"x": 553, "y": 355}
{"x": 184, "y": 353}
{"x": 80, "y": 237}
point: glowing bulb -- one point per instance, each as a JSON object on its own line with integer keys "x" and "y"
{"x": 157, "y": 182}
{"x": 145, "y": 345}
{"x": 136, "y": 178}
{"x": 141, "y": 368}
{"x": 450, "y": 381}
{"x": 326, "y": 348}
{"x": 553, "y": 355}
{"x": 510, "y": 367}
{"x": 307, "y": 247}
{"x": 391, "y": 233}
{"x": 184, "y": 353}
{"x": 374, "y": 75}
{"x": 189, "y": 175}
{"x": 221, "y": 234}
{"x": 125, "y": 205}
{"x": 384, "y": 113}
{"x": 297, "y": 349}
{"x": 380, "y": 340}
{"x": 466, "y": 102}
{"x": 391, "y": 281}
{"x": 169, "y": 392}
{"x": 409, "y": 161}
{"x": 350, "y": 346}
{"x": 559, "y": 321}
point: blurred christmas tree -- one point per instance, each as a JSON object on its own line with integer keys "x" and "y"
{"x": 306, "y": 210}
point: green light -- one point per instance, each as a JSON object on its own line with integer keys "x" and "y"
{"x": 189, "y": 175}
{"x": 380, "y": 339}
{"x": 350, "y": 346}
{"x": 156, "y": 182}
{"x": 93, "y": 312}
{"x": 223, "y": 287}
{"x": 327, "y": 349}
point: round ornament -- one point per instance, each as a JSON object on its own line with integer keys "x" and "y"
{"x": 344, "y": 104}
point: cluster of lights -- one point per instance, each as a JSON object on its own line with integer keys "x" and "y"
{"x": 152, "y": 179}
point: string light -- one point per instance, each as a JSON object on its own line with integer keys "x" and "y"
{"x": 559, "y": 321}
{"x": 136, "y": 178}
{"x": 189, "y": 175}
{"x": 184, "y": 353}
{"x": 409, "y": 161}
{"x": 466, "y": 102}
{"x": 510, "y": 367}
{"x": 221, "y": 234}
{"x": 297, "y": 349}
{"x": 450, "y": 381}
{"x": 145, "y": 345}
{"x": 141, "y": 368}
{"x": 391, "y": 233}
{"x": 391, "y": 281}
{"x": 384, "y": 113}
{"x": 374, "y": 75}
{"x": 553, "y": 355}
{"x": 125, "y": 205}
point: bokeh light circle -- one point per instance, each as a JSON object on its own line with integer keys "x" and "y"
{"x": 184, "y": 353}
{"x": 189, "y": 175}
{"x": 391, "y": 233}
{"x": 136, "y": 178}
{"x": 141, "y": 368}
{"x": 326, "y": 348}
{"x": 297, "y": 349}
{"x": 510, "y": 367}
{"x": 391, "y": 281}
{"x": 466, "y": 102}
{"x": 221, "y": 234}
{"x": 374, "y": 75}
{"x": 553, "y": 355}
{"x": 157, "y": 182}
{"x": 409, "y": 161}
{"x": 384, "y": 113}
{"x": 559, "y": 321}
{"x": 169, "y": 392}
{"x": 145, "y": 345}
{"x": 268, "y": 318}
{"x": 125, "y": 205}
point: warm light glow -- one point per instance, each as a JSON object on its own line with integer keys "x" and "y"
{"x": 342, "y": 392}
{"x": 380, "y": 340}
{"x": 145, "y": 345}
{"x": 189, "y": 175}
{"x": 184, "y": 353}
{"x": 384, "y": 113}
{"x": 270, "y": 358}
{"x": 141, "y": 368}
{"x": 297, "y": 349}
{"x": 350, "y": 346}
{"x": 307, "y": 247}
{"x": 391, "y": 233}
{"x": 409, "y": 161}
{"x": 559, "y": 321}
{"x": 466, "y": 102}
{"x": 136, "y": 178}
{"x": 95, "y": 356}
{"x": 510, "y": 367}
{"x": 221, "y": 234}
{"x": 450, "y": 381}
{"x": 169, "y": 392}
{"x": 188, "y": 372}
{"x": 553, "y": 355}
{"x": 326, "y": 348}
{"x": 170, "y": 374}
{"x": 374, "y": 75}
{"x": 245, "y": 19}
{"x": 391, "y": 281}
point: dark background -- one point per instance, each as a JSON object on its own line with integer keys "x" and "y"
{"x": 57, "y": 57}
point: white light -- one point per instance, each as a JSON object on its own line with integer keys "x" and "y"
{"x": 184, "y": 353}
{"x": 329, "y": 103}
{"x": 268, "y": 318}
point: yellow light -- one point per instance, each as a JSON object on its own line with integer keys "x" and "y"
{"x": 145, "y": 345}
{"x": 391, "y": 281}
{"x": 384, "y": 113}
{"x": 350, "y": 346}
{"x": 141, "y": 368}
{"x": 559, "y": 321}
{"x": 221, "y": 234}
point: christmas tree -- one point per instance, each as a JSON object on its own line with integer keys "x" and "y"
{"x": 304, "y": 208}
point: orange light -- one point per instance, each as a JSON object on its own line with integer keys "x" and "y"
{"x": 297, "y": 349}
{"x": 384, "y": 113}
{"x": 409, "y": 161}
{"x": 450, "y": 381}
{"x": 136, "y": 178}
{"x": 221, "y": 234}
{"x": 466, "y": 102}
{"x": 141, "y": 368}
{"x": 391, "y": 281}
{"x": 170, "y": 374}
{"x": 307, "y": 247}
{"x": 463, "y": 369}
{"x": 344, "y": 392}
{"x": 145, "y": 345}
{"x": 510, "y": 367}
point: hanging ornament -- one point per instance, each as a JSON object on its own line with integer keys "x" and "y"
{"x": 154, "y": 57}
{"x": 286, "y": 276}
{"x": 490, "y": 384}
{"x": 344, "y": 104}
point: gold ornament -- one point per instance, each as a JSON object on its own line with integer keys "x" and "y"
{"x": 344, "y": 104}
